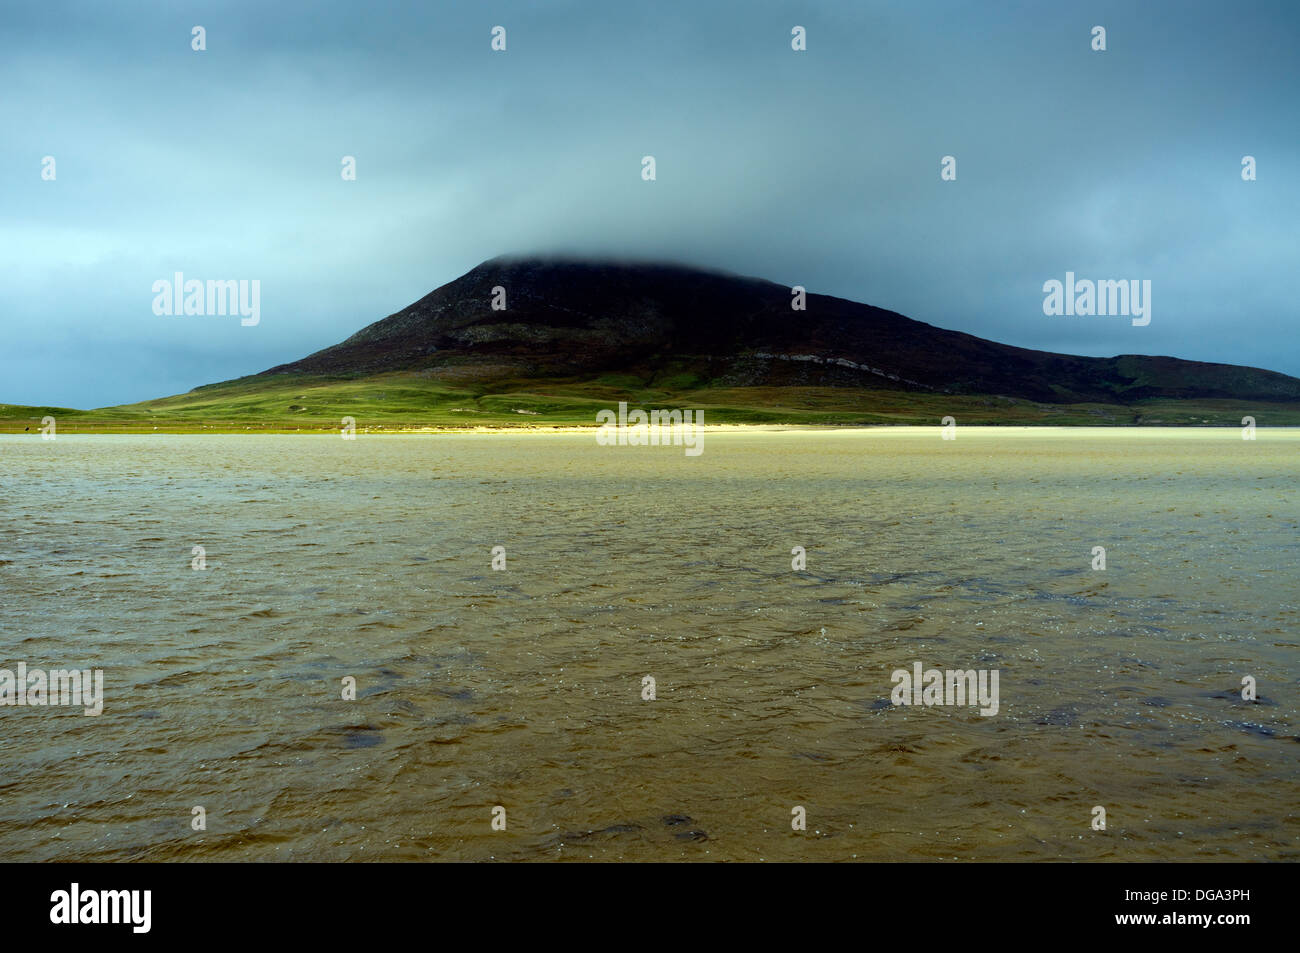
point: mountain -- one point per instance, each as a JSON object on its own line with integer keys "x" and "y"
{"x": 575, "y": 337}
{"x": 579, "y": 319}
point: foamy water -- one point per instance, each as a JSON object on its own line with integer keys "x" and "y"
{"x": 371, "y": 558}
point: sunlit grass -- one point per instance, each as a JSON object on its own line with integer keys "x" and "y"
{"x": 404, "y": 400}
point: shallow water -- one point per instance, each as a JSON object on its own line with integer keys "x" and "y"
{"x": 522, "y": 688}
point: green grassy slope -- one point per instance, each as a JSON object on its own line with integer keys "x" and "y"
{"x": 289, "y": 403}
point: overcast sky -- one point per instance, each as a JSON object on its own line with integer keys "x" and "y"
{"x": 819, "y": 168}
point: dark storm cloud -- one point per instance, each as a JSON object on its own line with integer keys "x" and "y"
{"x": 818, "y": 168}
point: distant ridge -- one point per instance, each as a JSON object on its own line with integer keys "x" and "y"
{"x": 579, "y": 319}
{"x": 579, "y": 336}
